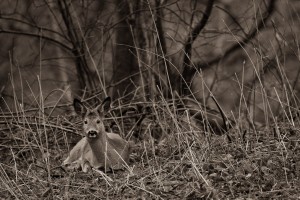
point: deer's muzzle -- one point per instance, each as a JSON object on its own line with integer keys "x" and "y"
{"x": 92, "y": 134}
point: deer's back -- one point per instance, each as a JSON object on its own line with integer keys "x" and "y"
{"x": 120, "y": 145}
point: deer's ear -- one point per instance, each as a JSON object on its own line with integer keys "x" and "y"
{"x": 79, "y": 108}
{"x": 105, "y": 106}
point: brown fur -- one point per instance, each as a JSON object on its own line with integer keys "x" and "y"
{"x": 98, "y": 148}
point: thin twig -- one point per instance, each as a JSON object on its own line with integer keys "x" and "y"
{"x": 258, "y": 26}
{"x": 186, "y": 74}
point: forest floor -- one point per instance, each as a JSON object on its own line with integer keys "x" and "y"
{"x": 171, "y": 159}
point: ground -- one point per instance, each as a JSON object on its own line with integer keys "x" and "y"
{"x": 171, "y": 159}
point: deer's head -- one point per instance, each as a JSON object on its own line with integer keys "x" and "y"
{"x": 93, "y": 126}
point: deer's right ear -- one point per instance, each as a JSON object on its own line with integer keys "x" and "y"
{"x": 79, "y": 108}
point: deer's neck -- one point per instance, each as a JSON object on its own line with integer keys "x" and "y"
{"x": 100, "y": 147}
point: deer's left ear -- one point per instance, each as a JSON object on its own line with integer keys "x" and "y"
{"x": 79, "y": 108}
{"x": 105, "y": 106}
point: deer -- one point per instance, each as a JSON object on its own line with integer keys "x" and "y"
{"x": 98, "y": 149}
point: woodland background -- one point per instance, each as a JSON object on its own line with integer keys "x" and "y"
{"x": 138, "y": 50}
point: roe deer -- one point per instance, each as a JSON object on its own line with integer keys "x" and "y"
{"x": 98, "y": 148}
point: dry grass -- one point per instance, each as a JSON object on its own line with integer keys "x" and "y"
{"x": 172, "y": 159}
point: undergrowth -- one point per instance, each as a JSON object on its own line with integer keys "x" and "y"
{"x": 173, "y": 158}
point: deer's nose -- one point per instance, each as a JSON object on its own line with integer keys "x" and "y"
{"x": 92, "y": 134}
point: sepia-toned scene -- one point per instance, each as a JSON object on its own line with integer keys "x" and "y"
{"x": 150, "y": 99}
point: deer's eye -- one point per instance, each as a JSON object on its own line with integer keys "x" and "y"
{"x": 85, "y": 121}
{"x": 98, "y": 121}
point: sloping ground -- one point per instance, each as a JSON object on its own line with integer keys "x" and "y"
{"x": 179, "y": 162}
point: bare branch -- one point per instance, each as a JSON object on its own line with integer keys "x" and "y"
{"x": 44, "y": 29}
{"x": 186, "y": 74}
{"x": 83, "y": 71}
{"x": 50, "y": 39}
{"x": 242, "y": 43}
